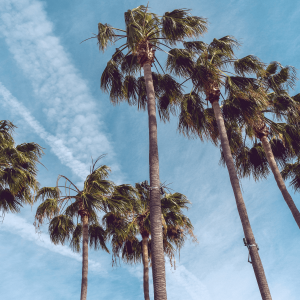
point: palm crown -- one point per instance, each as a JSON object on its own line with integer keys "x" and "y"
{"x": 145, "y": 33}
{"x": 98, "y": 194}
{"x": 18, "y": 170}
{"x": 130, "y": 231}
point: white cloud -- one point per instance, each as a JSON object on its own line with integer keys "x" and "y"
{"x": 183, "y": 284}
{"x": 67, "y": 102}
{"x": 18, "y": 225}
{"x": 64, "y": 154}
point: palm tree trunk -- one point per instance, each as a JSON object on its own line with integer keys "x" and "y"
{"x": 280, "y": 182}
{"x": 146, "y": 267}
{"x": 158, "y": 260}
{"x": 256, "y": 262}
{"x": 85, "y": 239}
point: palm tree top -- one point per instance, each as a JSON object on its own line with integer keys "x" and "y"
{"x": 18, "y": 169}
{"x": 98, "y": 194}
{"x": 142, "y": 25}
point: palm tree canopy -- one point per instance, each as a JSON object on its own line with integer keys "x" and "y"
{"x": 125, "y": 229}
{"x": 145, "y": 29}
{"x": 18, "y": 170}
{"x": 281, "y": 114}
{"x": 98, "y": 194}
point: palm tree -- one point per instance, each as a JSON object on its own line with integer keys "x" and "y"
{"x": 145, "y": 33}
{"x": 279, "y": 141}
{"x": 131, "y": 231}
{"x": 18, "y": 170}
{"x": 98, "y": 194}
{"x": 276, "y": 79}
{"x": 207, "y": 67}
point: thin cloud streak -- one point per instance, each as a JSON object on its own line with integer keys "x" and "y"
{"x": 67, "y": 102}
{"x": 64, "y": 154}
{"x": 18, "y": 225}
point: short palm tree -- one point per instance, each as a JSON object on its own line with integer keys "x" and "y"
{"x": 130, "y": 232}
{"x": 98, "y": 194}
{"x": 18, "y": 170}
{"x": 145, "y": 32}
{"x": 211, "y": 67}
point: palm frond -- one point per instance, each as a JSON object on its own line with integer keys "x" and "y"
{"x": 75, "y": 242}
{"x": 249, "y": 64}
{"x": 105, "y": 36}
{"x": 180, "y": 62}
{"x": 111, "y": 81}
{"x": 179, "y": 24}
{"x": 47, "y": 192}
{"x": 48, "y": 209}
{"x": 61, "y": 229}
{"x": 97, "y": 236}
{"x": 8, "y": 202}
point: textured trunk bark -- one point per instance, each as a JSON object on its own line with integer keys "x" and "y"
{"x": 256, "y": 262}
{"x": 280, "y": 182}
{"x": 85, "y": 238}
{"x": 158, "y": 260}
{"x": 146, "y": 267}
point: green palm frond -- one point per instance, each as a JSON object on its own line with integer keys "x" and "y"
{"x": 18, "y": 169}
{"x": 248, "y": 65}
{"x": 129, "y": 64}
{"x": 252, "y": 162}
{"x": 130, "y": 89}
{"x": 240, "y": 85}
{"x": 72, "y": 210}
{"x": 47, "y": 192}
{"x": 48, "y": 209}
{"x": 180, "y": 24}
{"x": 97, "y": 236}
{"x": 197, "y": 47}
{"x": 195, "y": 120}
{"x": 111, "y": 81}
{"x": 279, "y": 78}
{"x": 180, "y": 62}
{"x": 75, "y": 242}
{"x": 8, "y": 202}
{"x": 120, "y": 200}
{"x": 61, "y": 229}
{"x": 292, "y": 171}
{"x": 131, "y": 251}
{"x": 106, "y": 35}
{"x": 226, "y": 45}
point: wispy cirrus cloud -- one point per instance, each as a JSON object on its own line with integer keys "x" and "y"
{"x": 57, "y": 145}
{"x": 71, "y": 111}
{"x": 18, "y": 225}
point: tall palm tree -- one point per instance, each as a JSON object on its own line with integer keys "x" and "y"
{"x": 279, "y": 141}
{"x": 98, "y": 194}
{"x": 209, "y": 67}
{"x": 276, "y": 79}
{"x": 131, "y": 231}
{"x": 18, "y": 170}
{"x": 145, "y": 32}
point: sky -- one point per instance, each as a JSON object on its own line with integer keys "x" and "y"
{"x": 50, "y": 89}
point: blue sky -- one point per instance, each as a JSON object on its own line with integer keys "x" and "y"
{"x": 49, "y": 88}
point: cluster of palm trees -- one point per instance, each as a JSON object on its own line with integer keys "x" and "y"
{"x": 125, "y": 223}
{"x": 255, "y": 97}
{"x": 256, "y": 127}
